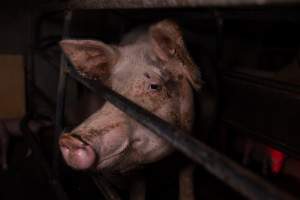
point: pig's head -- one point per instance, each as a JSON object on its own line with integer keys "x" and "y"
{"x": 153, "y": 69}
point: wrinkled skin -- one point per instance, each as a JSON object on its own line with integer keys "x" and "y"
{"x": 150, "y": 67}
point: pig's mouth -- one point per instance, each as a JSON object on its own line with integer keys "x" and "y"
{"x": 80, "y": 155}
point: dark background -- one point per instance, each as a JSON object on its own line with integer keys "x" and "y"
{"x": 249, "y": 63}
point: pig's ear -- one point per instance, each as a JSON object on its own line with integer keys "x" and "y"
{"x": 92, "y": 59}
{"x": 168, "y": 44}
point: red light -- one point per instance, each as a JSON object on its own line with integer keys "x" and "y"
{"x": 277, "y": 159}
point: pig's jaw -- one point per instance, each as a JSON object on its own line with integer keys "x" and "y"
{"x": 110, "y": 162}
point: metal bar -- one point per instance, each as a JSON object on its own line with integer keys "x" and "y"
{"x": 240, "y": 179}
{"x": 44, "y": 97}
{"x": 48, "y": 60}
{"x": 106, "y": 188}
{"x": 291, "y": 89}
{"x": 122, "y": 4}
{"x": 58, "y": 189}
{"x": 108, "y": 192}
{"x": 29, "y": 68}
{"x": 259, "y": 136}
{"x": 60, "y": 106}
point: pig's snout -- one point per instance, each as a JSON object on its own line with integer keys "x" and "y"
{"x": 76, "y": 153}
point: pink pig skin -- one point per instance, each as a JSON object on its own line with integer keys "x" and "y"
{"x": 150, "y": 67}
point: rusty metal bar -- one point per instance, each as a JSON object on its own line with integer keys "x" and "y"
{"x": 240, "y": 179}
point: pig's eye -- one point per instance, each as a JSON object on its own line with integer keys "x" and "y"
{"x": 154, "y": 87}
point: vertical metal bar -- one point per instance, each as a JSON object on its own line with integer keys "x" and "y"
{"x": 60, "y": 102}
{"x": 37, "y": 153}
{"x": 220, "y": 36}
{"x": 29, "y": 111}
{"x": 219, "y": 20}
{"x": 106, "y": 188}
{"x": 29, "y": 72}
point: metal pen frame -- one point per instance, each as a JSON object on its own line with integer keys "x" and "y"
{"x": 232, "y": 174}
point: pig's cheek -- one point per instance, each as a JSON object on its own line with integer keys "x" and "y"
{"x": 113, "y": 144}
{"x": 150, "y": 147}
{"x": 138, "y": 89}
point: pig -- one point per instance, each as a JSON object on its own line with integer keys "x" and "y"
{"x": 151, "y": 67}
{"x": 11, "y": 128}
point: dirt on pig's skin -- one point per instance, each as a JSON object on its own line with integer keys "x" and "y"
{"x": 152, "y": 68}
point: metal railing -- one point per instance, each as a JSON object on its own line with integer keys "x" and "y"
{"x": 232, "y": 174}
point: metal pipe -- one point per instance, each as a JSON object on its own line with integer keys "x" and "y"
{"x": 29, "y": 108}
{"x": 44, "y": 97}
{"x": 108, "y": 192}
{"x": 240, "y": 179}
{"x": 29, "y": 67}
{"x": 38, "y": 155}
{"x": 290, "y": 89}
{"x": 134, "y": 4}
{"x": 60, "y": 106}
{"x": 105, "y": 187}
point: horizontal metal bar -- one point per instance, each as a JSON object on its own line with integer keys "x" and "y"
{"x": 291, "y": 89}
{"x": 104, "y": 4}
{"x": 255, "y": 134}
{"x": 240, "y": 179}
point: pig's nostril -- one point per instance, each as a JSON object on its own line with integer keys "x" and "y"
{"x": 76, "y": 153}
{"x": 63, "y": 144}
{"x": 78, "y": 137}
{"x": 70, "y": 142}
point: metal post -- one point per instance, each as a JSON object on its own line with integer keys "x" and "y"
{"x": 60, "y": 102}
{"x": 60, "y": 115}
{"x": 108, "y": 192}
{"x": 105, "y": 187}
